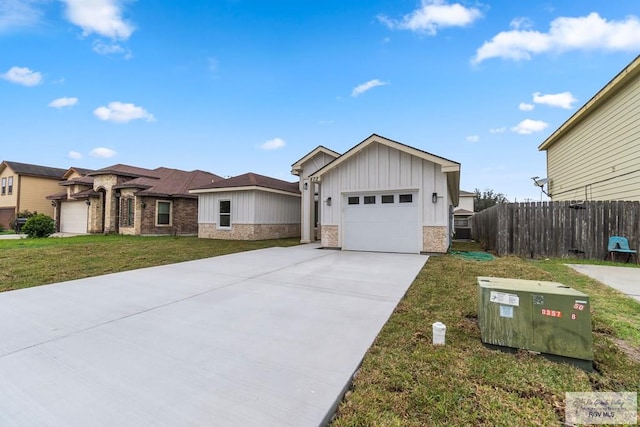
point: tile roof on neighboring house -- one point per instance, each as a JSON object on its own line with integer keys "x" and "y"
{"x": 82, "y": 180}
{"x": 34, "y": 170}
{"x": 174, "y": 182}
{"x": 126, "y": 170}
{"x": 252, "y": 180}
{"x": 467, "y": 193}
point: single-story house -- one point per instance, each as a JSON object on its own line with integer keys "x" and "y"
{"x": 24, "y": 187}
{"x": 595, "y": 154}
{"x": 129, "y": 200}
{"x": 381, "y": 195}
{"x": 248, "y": 207}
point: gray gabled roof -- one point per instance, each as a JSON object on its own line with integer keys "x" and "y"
{"x": 250, "y": 180}
{"x": 27, "y": 169}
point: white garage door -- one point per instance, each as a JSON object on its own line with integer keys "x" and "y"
{"x": 382, "y": 222}
{"x": 73, "y": 217}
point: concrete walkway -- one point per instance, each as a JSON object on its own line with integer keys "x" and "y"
{"x": 262, "y": 338}
{"x": 624, "y": 279}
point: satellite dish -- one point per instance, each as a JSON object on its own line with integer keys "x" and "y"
{"x": 539, "y": 182}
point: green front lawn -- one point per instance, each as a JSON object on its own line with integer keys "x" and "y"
{"x": 33, "y": 262}
{"x": 406, "y": 381}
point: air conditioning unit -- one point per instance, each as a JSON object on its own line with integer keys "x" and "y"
{"x": 545, "y": 317}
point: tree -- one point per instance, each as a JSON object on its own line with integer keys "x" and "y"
{"x": 486, "y": 199}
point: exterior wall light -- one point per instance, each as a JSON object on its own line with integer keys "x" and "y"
{"x": 306, "y": 185}
{"x": 328, "y": 201}
{"x": 434, "y": 197}
{"x": 88, "y": 202}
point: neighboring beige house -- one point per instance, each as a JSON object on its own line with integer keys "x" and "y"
{"x": 380, "y": 195}
{"x": 24, "y": 187}
{"x": 129, "y": 200}
{"x": 595, "y": 154}
{"x": 248, "y": 207}
{"x": 462, "y": 215}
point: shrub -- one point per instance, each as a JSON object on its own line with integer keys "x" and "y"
{"x": 39, "y": 225}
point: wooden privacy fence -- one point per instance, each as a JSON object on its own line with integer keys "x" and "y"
{"x": 557, "y": 229}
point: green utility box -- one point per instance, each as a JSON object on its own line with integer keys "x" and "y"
{"x": 545, "y": 317}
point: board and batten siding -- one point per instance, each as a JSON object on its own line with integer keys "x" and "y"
{"x": 599, "y": 158}
{"x": 272, "y": 208}
{"x": 250, "y": 207}
{"x": 380, "y": 168}
{"x": 242, "y": 206}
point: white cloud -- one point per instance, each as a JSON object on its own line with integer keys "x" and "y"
{"x": 102, "y": 48}
{"x": 273, "y": 144}
{"x": 502, "y": 129}
{"x": 17, "y": 14}
{"x": 120, "y": 112}
{"x": 526, "y": 107}
{"x": 521, "y": 23}
{"x": 74, "y": 155}
{"x": 590, "y": 32}
{"x": 63, "y": 102}
{"x": 22, "y": 76}
{"x": 360, "y": 89}
{"x": 103, "y": 153}
{"x": 528, "y": 126}
{"x": 473, "y": 138}
{"x": 102, "y": 17}
{"x": 433, "y": 15}
{"x": 563, "y": 100}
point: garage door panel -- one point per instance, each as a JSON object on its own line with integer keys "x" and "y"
{"x": 382, "y": 227}
{"x": 73, "y": 217}
{"x": 6, "y": 217}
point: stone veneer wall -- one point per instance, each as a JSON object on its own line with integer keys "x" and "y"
{"x": 435, "y": 239}
{"x": 249, "y": 231}
{"x": 329, "y": 236}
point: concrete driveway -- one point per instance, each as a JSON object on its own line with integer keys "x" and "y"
{"x": 624, "y": 279}
{"x": 268, "y": 337}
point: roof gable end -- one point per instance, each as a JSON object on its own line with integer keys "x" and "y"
{"x": 447, "y": 165}
{"x": 296, "y": 168}
{"x": 616, "y": 84}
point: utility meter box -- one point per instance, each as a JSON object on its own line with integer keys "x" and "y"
{"x": 545, "y": 317}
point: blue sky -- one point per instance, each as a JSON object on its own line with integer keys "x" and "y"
{"x": 232, "y": 86}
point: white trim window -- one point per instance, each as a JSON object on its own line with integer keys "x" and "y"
{"x": 10, "y": 186}
{"x": 164, "y": 210}
{"x": 224, "y": 213}
{"x": 4, "y": 186}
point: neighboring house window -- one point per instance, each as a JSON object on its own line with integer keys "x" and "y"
{"x": 10, "y": 190}
{"x": 225, "y": 214}
{"x": 4, "y": 187}
{"x": 163, "y": 210}
{"x": 127, "y": 210}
